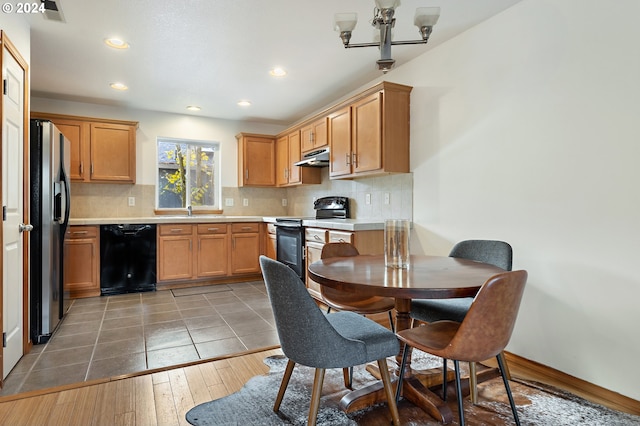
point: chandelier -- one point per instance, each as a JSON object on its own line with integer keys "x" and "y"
{"x": 383, "y": 20}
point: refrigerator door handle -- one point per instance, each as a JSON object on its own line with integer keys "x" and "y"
{"x": 25, "y": 227}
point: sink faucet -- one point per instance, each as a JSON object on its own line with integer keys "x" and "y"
{"x": 189, "y": 211}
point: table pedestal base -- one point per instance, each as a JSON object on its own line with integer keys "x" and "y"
{"x": 422, "y": 388}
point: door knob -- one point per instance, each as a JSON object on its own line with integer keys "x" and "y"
{"x": 25, "y": 228}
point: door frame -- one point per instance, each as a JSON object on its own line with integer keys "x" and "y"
{"x": 26, "y": 340}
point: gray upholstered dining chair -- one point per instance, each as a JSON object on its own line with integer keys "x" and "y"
{"x": 497, "y": 253}
{"x": 353, "y": 302}
{"x": 314, "y": 339}
{"x": 483, "y": 333}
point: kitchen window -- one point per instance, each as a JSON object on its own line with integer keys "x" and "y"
{"x": 188, "y": 175}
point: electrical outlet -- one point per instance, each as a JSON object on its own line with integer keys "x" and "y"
{"x": 228, "y": 202}
{"x": 132, "y": 201}
{"x": 367, "y": 198}
{"x": 387, "y": 198}
{"x": 245, "y": 202}
{"x": 284, "y": 202}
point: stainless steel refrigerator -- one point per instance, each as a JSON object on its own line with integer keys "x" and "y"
{"x": 49, "y": 161}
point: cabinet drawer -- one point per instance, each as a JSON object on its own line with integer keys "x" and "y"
{"x": 175, "y": 229}
{"x": 341, "y": 237}
{"x": 212, "y": 228}
{"x": 315, "y": 234}
{"x": 75, "y": 232}
{"x": 245, "y": 227}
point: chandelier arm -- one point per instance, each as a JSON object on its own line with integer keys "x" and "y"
{"x": 398, "y": 43}
{"x": 362, "y": 45}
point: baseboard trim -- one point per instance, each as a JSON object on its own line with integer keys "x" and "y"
{"x": 526, "y": 369}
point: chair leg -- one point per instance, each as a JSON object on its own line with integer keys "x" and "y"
{"x": 347, "y": 373}
{"x": 328, "y": 309}
{"x": 283, "y": 386}
{"x": 393, "y": 327}
{"x": 444, "y": 379}
{"x": 473, "y": 383}
{"x": 388, "y": 390}
{"x": 315, "y": 396}
{"x": 508, "y": 388}
{"x": 506, "y": 367}
{"x": 456, "y": 365}
{"x": 405, "y": 354}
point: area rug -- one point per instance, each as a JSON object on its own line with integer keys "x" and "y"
{"x": 253, "y": 404}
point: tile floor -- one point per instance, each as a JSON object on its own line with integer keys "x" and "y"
{"x": 108, "y": 336}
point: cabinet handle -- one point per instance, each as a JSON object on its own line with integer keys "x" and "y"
{"x": 312, "y": 138}
{"x": 80, "y": 232}
{"x": 212, "y": 229}
{"x": 233, "y": 243}
{"x": 348, "y": 156}
{"x": 317, "y": 238}
{"x": 354, "y": 159}
{"x": 91, "y": 171}
{"x": 286, "y": 174}
{"x": 341, "y": 240}
{"x": 176, "y": 230}
{"x": 81, "y": 168}
{"x": 246, "y": 228}
{"x": 190, "y": 245}
{"x": 246, "y": 174}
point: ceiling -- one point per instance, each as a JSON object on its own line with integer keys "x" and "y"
{"x": 214, "y": 53}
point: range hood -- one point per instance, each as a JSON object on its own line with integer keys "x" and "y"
{"x": 319, "y": 158}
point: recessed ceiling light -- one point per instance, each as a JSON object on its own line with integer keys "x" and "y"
{"x": 116, "y": 43}
{"x": 244, "y": 103}
{"x": 278, "y": 72}
{"x": 193, "y": 108}
{"x": 119, "y": 86}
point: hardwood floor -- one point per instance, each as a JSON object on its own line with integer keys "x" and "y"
{"x": 160, "y": 398}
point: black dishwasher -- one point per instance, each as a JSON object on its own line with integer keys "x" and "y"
{"x": 127, "y": 258}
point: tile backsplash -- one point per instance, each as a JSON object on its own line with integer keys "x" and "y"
{"x": 376, "y": 198}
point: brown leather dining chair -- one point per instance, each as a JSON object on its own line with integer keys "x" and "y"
{"x": 353, "y": 302}
{"x": 483, "y": 333}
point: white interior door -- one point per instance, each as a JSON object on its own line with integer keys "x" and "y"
{"x": 12, "y": 202}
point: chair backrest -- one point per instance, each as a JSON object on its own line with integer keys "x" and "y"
{"x": 496, "y": 253}
{"x": 305, "y": 334}
{"x": 487, "y": 327}
{"x": 330, "y": 250}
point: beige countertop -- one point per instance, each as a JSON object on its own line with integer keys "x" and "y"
{"x": 338, "y": 224}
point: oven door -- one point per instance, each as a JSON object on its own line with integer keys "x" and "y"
{"x": 290, "y": 247}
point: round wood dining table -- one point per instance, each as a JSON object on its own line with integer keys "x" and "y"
{"x": 427, "y": 277}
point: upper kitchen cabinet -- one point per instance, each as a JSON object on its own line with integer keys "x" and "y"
{"x": 256, "y": 160}
{"x": 102, "y": 150}
{"x": 287, "y": 154}
{"x": 369, "y": 134}
{"x": 314, "y": 136}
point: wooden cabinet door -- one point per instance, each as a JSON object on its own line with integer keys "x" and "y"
{"x": 175, "y": 258}
{"x": 366, "y": 138}
{"x": 82, "y": 261}
{"x": 257, "y": 159}
{"x": 213, "y": 255}
{"x": 282, "y": 161}
{"x": 314, "y": 136}
{"x": 113, "y": 153}
{"x": 77, "y": 132}
{"x": 294, "y": 156}
{"x": 314, "y": 250}
{"x": 340, "y": 142}
{"x": 175, "y": 252}
{"x": 245, "y": 250}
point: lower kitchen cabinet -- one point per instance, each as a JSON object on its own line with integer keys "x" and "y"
{"x": 175, "y": 252}
{"x": 82, "y": 261}
{"x": 245, "y": 248}
{"x": 213, "y": 250}
{"x": 367, "y": 242}
{"x": 208, "y": 250}
{"x": 271, "y": 250}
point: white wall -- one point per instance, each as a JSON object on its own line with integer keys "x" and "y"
{"x": 153, "y": 124}
{"x": 526, "y": 129}
{"x": 17, "y": 29}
